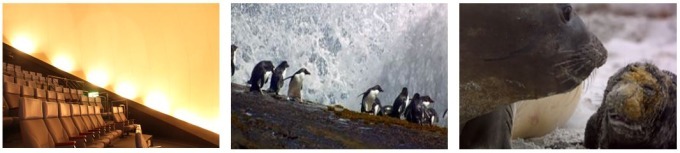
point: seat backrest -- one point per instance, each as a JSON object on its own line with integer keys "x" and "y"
{"x": 84, "y": 99}
{"x": 98, "y": 115}
{"x": 93, "y": 117}
{"x": 59, "y": 89}
{"x": 66, "y": 120}
{"x": 12, "y": 92}
{"x": 77, "y": 119}
{"x": 67, "y": 94}
{"x": 8, "y": 78}
{"x": 86, "y": 119}
{"x": 40, "y": 94}
{"x": 27, "y": 91}
{"x": 74, "y": 96}
{"x": 53, "y": 123}
{"x": 31, "y": 84}
{"x": 60, "y": 97}
{"x": 20, "y": 81}
{"x": 34, "y": 132}
{"x": 121, "y": 113}
{"x": 51, "y": 96}
{"x": 114, "y": 113}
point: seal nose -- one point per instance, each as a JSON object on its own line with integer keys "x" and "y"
{"x": 598, "y": 50}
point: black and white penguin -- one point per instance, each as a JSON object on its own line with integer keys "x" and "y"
{"x": 386, "y": 110}
{"x": 277, "y": 78}
{"x": 429, "y": 114}
{"x": 411, "y": 113}
{"x": 370, "y": 102}
{"x": 260, "y": 75}
{"x": 295, "y": 85}
{"x": 233, "y": 67}
{"x": 399, "y": 104}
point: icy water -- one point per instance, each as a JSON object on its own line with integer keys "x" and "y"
{"x": 348, "y": 48}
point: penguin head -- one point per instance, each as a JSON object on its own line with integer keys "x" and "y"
{"x": 377, "y": 87}
{"x": 268, "y": 66}
{"x": 404, "y": 91}
{"x": 283, "y": 65}
{"x": 303, "y": 71}
{"x": 233, "y": 48}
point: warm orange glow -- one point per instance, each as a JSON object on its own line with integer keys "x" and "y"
{"x": 126, "y": 90}
{"x": 63, "y": 62}
{"x": 149, "y": 47}
{"x": 158, "y": 101}
{"x": 192, "y": 118}
{"x": 24, "y": 44}
{"x": 98, "y": 77}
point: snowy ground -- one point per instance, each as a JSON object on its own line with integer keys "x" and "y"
{"x": 631, "y": 33}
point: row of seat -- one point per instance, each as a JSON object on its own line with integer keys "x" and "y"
{"x": 71, "y": 95}
{"x": 47, "y": 114}
{"x": 13, "y": 91}
{"x": 14, "y": 73}
{"x": 53, "y": 124}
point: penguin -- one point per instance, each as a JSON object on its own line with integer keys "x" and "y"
{"x": 429, "y": 115}
{"x": 386, "y": 110}
{"x": 277, "y": 78}
{"x": 399, "y": 104}
{"x": 370, "y": 101}
{"x": 295, "y": 85}
{"x": 260, "y": 75}
{"x": 233, "y": 67}
{"x": 444, "y": 116}
{"x": 411, "y": 113}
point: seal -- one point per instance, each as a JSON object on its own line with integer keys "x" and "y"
{"x": 260, "y": 75}
{"x": 295, "y": 85}
{"x": 399, "y": 104}
{"x": 538, "y": 117}
{"x": 233, "y": 67}
{"x": 277, "y": 78}
{"x": 638, "y": 110}
{"x": 369, "y": 100}
{"x": 513, "y": 52}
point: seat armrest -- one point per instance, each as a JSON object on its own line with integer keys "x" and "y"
{"x": 68, "y": 144}
{"x": 81, "y": 141}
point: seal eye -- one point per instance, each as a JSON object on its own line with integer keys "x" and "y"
{"x": 566, "y": 13}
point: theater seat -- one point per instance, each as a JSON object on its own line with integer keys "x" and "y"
{"x": 34, "y": 132}
{"x": 100, "y": 119}
{"x": 72, "y": 131}
{"x": 98, "y": 125}
{"x": 60, "y": 97}
{"x": 83, "y": 128}
{"x": 11, "y": 94}
{"x": 40, "y": 94}
{"x": 27, "y": 91}
{"x": 85, "y": 115}
{"x": 52, "y": 96}
{"x": 54, "y": 126}
{"x": 67, "y": 95}
{"x": 121, "y": 124}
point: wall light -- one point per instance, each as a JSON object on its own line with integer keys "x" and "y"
{"x": 98, "y": 77}
{"x": 157, "y": 101}
{"x": 63, "y": 62}
{"x": 24, "y": 44}
{"x": 126, "y": 89}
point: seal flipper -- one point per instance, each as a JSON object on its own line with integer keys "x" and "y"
{"x": 592, "y": 134}
{"x": 490, "y": 131}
